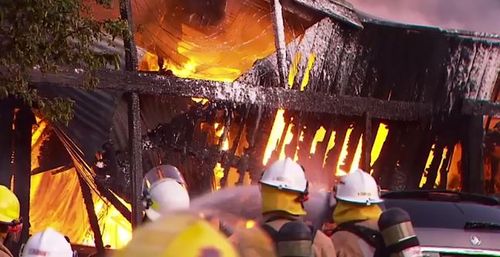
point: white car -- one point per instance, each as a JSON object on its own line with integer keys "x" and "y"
{"x": 451, "y": 223}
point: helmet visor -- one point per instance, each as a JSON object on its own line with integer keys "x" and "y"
{"x": 162, "y": 172}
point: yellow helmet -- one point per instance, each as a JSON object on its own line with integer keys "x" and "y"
{"x": 178, "y": 235}
{"x": 9, "y": 206}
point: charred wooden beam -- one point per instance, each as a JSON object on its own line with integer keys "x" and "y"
{"x": 367, "y": 144}
{"x": 478, "y": 107}
{"x": 134, "y": 116}
{"x": 106, "y": 193}
{"x": 6, "y": 120}
{"x": 472, "y": 154}
{"x": 135, "y": 151}
{"x": 130, "y": 48}
{"x": 434, "y": 167}
{"x": 260, "y": 133}
{"x": 89, "y": 205}
{"x": 385, "y": 165}
{"x": 232, "y": 152}
{"x": 443, "y": 172}
{"x": 414, "y": 152}
{"x": 240, "y": 93}
{"x": 291, "y": 148}
{"x": 333, "y": 155}
{"x": 311, "y": 127}
{"x": 24, "y": 121}
{"x": 280, "y": 44}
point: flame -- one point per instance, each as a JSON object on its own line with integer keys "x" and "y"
{"x": 221, "y": 51}
{"x": 318, "y": 137}
{"x": 310, "y": 64}
{"x": 116, "y": 230}
{"x": 274, "y": 137}
{"x": 294, "y": 69}
{"x": 250, "y": 224}
{"x": 203, "y": 101}
{"x": 62, "y": 195}
{"x": 382, "y": 133}
{"x": 218, "y": 175}
{"x": 149, "y": 62}
{"x": 423, "y": 180}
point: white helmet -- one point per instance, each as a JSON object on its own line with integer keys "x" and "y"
{"x": 358, "y": 187}
{"x": 48, "y": 243}
{"x": 164, "y": 196}
{"x": 285, "y": 175}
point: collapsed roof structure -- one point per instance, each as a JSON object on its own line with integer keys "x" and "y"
{"x": 348, "y": 75}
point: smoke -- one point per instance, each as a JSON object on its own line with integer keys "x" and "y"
{"x": 473, "y": 15}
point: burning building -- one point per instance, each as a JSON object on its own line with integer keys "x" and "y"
{"x": 406, "y": 103}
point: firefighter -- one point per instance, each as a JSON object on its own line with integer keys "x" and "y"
{"x": 356, "y": 214}
{"x": 284, "y": 189}
{"x": 188, "y": 235}
{"x": 164, "y": 190}
{"x": 48, "y": 243}
{"x": 10, "y": 224}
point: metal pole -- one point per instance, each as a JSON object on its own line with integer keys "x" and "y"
{"x": 279, "y": 39}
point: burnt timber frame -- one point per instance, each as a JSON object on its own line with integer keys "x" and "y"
{"x": 134, "y": 113}
{"x": 238, "y": 93}
{"x": 242, "y": 93}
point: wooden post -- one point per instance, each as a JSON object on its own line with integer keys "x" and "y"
{"x": 6, "y": 120}
{"x": 134, "y": 117}
{"x": 472, "y": 154}
{"x": 130, "y": 48}
{"x": 279, "y": 39}
{"x": 25, "y": 119}
{"x": 383, "y": 168}
{"x": 446, "y": 167}
{"x": 367, "y": 144}
{"x": 136, "y": 171}
{"x": 114, "y": 200}
{"x": 89, "y": 205}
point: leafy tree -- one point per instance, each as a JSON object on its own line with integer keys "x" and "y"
{"x": 51, "y": 35}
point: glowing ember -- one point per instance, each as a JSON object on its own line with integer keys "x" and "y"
{"x": 218, "y": 174}
{"x": 250, "y": 224}
{"x": 203, "y": 101}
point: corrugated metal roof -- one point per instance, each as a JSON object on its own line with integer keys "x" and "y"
{"x": 93, "y": 112}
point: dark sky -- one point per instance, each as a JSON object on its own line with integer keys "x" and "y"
{"x": 475, "y": 15}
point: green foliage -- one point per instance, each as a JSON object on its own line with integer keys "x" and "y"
{"x": 51, "y": 35}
